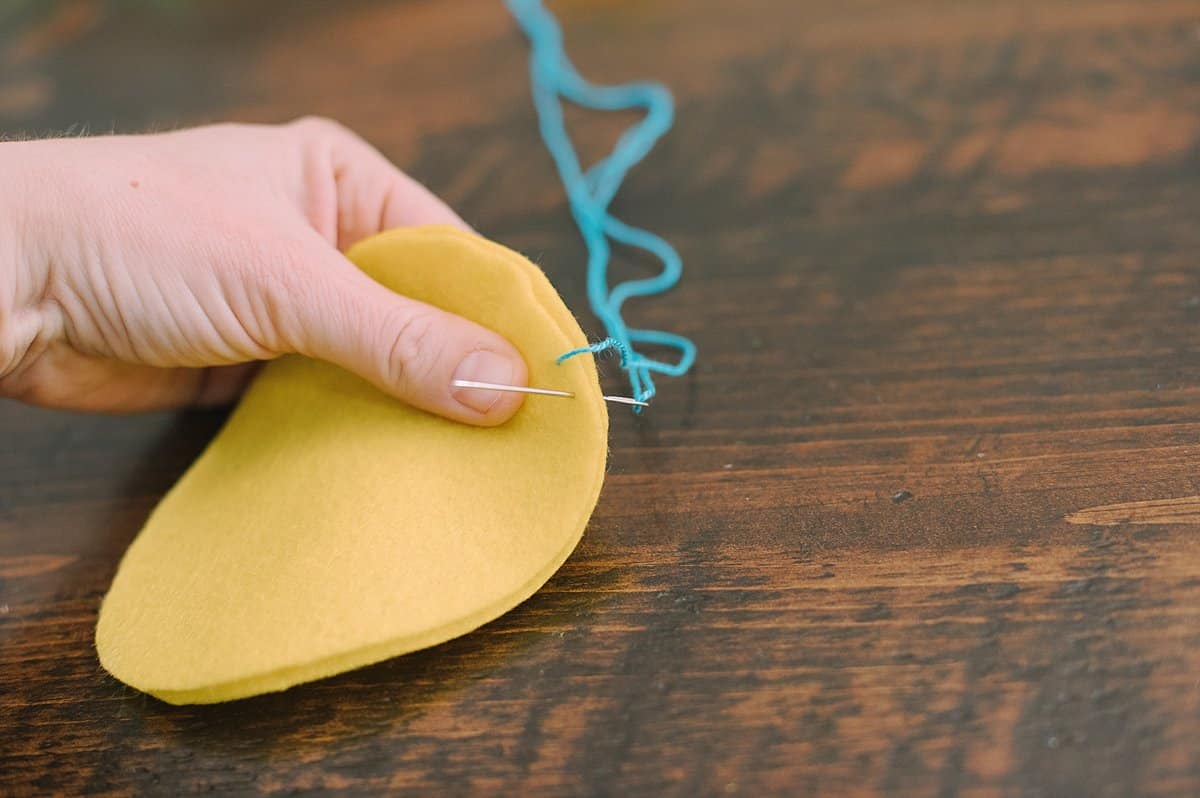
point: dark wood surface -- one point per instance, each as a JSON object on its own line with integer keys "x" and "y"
{"x": 942, "y": 269}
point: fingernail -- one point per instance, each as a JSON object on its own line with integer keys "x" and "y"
{"x": 482, "y": 366}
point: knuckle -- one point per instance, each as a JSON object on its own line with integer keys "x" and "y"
{"x": 412, "y": 348}
{"x": 320, "y": 127}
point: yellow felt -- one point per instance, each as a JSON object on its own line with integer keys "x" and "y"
{"x": 328, "y": 526}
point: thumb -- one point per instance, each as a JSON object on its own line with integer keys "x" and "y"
{"x": 409, "y": 349}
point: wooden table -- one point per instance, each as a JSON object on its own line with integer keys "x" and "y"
{"x": 923, "y": 520}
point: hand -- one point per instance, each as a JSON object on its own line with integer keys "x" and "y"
{"x": 146, "y": 272}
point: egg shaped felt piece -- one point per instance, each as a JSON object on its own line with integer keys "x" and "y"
{"x": 328, "y": 526}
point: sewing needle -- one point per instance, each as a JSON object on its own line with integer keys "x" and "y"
{"x": 495, "y": 386}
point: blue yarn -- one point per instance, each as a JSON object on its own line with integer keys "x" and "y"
{"x": 590, "y": 192}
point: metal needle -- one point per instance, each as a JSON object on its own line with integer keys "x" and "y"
{"x": 495, "y": 386}
{"x": 625, "y": 400}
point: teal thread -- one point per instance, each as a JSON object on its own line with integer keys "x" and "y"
{"x": 590, "y": 192}
{"x": 596, "y": 348}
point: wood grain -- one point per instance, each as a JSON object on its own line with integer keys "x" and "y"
{"x": 941, "y": 266}
{"x": 1181, "y": 510}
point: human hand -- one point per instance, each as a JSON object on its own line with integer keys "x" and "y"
{"x": 147, "y": 272}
